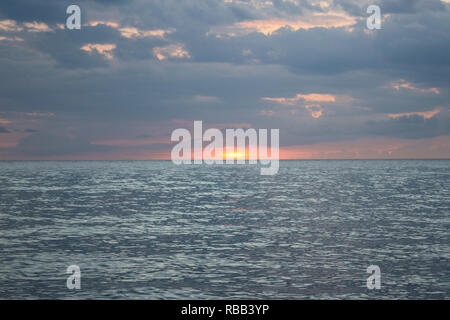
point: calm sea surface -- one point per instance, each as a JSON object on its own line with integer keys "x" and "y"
{"x": 153, "y": 230}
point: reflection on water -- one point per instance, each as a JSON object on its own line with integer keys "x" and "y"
{"x": 149, "y": 229}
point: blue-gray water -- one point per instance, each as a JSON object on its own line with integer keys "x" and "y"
{"x": 153, "y": 230}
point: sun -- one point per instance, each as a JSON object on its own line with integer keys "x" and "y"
{"x": 234, "y": 155}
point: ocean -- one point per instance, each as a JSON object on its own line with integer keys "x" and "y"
{"x": 153, "y": 230}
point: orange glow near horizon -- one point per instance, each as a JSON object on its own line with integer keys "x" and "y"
{"x": 365, "y": 148}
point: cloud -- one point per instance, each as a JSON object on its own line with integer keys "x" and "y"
{"x": 37, "y": 27}
{"x": 17, "y": 39}
{"x": 133, "y": 142}
{"x": 410, "y": 6}
{"x": 176, "y": 51}
{"x": 412, "y": 125}
{"x": 372, "y": 148}
{"x": 174, "y": 60}
{"x": 53, "y": 11}
{"x": 34, "y": 26}
{"x": 46, "y": 144}
{"x": 132, "y": 32}
{"x": 102, "y": 49}
{"x": 111, "y": 24}
{"x": 10, "y": 26}
{"x": 425, "y": 114}
{"x": 269, "y": 26}
{"x": 315, "y": 109}
{"x": 405, "y": 85}
{"x": 312, "y": 97}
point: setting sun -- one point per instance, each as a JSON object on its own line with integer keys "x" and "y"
{"x": 234, "y": 154}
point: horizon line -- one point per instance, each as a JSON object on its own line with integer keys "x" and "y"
{"x": 294, "y": 159}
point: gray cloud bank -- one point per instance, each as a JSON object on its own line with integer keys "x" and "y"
{"x": 146, "y": 64}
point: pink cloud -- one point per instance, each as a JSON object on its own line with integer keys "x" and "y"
{"x": 315, "y": 109}
{"x": 406, "y": 85}
{"x": 171, "y": 51}
{"x": 133, "y": 32}
{"x": 17, "y": 39}
{"x": 312, "y": 97}
{"x": 102, "y": 49}
{"x": 425, "y": 114}
{"x": 37, "y": 27}
{"x": 269, "y": 26}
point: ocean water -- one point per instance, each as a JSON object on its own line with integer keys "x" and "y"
{"x": 153, "y": 230}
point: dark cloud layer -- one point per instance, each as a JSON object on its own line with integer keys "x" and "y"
{"x": 42, "y": 144}
{"x": 207, "y": 60}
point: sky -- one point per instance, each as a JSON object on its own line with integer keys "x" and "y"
{"x": 137, "y": 70}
